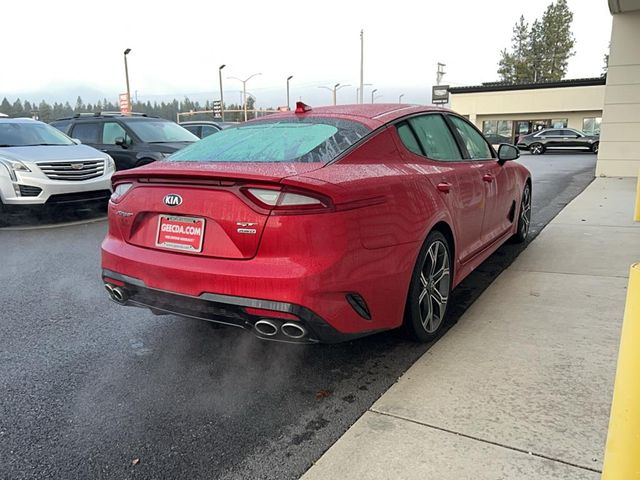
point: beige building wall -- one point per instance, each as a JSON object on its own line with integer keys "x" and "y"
{"x": 574, "y": 103}
{"x": 619, "y": 153}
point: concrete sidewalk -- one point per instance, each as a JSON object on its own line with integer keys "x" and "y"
{"x": 520, "y": 387}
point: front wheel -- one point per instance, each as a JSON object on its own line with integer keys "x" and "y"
{"x": 429, "y": 289}
{"x": 595, "y": 147}
{"x": 537, "y": 149}
{"x": 524, "y": 218}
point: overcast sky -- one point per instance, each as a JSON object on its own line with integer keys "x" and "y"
{"x": 56, "y": 48}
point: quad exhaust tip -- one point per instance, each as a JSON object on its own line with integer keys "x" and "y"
{"x": 117, "y": 294}
{"x": 294, "y": 330}
{"x": 266, "y": 327}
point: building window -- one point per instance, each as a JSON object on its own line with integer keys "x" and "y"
{"x": 498, "y": 131}
{"x": 591, "y": 125}
{"x": 559, "y": 123}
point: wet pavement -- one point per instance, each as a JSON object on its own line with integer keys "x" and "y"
{"x": 92, "y": 390}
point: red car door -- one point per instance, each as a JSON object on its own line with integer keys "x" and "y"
{"x": 457, "y": 180}
{"x": 499, "y": 181}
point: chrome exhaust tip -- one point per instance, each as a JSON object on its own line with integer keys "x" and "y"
{"x": 119, "y": 295}
{"x": 109, "y": 288}
{"x": 266, "y": 328}
{"x": 294, "y": 330}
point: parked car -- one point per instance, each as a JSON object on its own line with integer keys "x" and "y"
{"x": 132, "y": 140}
{"x": 204, "y": 128}
{"x": 40, "y": 165}
{"x": 318, "y": 225}
{"x": 558, "y": 138}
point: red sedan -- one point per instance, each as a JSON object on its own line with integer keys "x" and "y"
{"x": 318, "y": 225}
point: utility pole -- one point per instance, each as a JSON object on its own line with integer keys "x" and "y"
{"x": 221, "y": 97}
{"x": 400, "y": 98}
{"x": 373, "y": 92}
{"x": 361, "y": 99}
{"x": 440, "y": 73}
{"x": 334, "y": 90}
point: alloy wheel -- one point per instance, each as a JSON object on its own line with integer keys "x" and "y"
{"x": 536, "y": 149}
{"x": 525, "y": 212}
{"x": 435, "y": 282}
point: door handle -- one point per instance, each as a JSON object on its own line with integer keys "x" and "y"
{"x": 487, "y": 178}
{"x": 444, "y": 187}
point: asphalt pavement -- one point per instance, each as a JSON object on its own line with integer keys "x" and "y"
{"x": 93, "y": 390}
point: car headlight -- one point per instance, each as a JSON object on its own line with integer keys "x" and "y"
{"x": 110, "y": 164}
{"x": 14, "y": 166}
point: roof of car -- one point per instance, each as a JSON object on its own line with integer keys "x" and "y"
{"x": 18, "y": 120}
{"x": 373, "y": 115}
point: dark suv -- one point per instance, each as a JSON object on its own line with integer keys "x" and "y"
{"x": 131, "y": 140}
{"x": 558, "y": 138}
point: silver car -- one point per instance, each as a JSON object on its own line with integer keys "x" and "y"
{"x": 41, "y": 165}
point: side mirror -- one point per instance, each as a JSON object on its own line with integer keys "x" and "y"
{"x": 507, "y": 152}
{"x": 77, "y": 141}
{"x": 120, "y": 141}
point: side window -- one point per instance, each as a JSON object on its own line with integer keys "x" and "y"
{"x": 477, "y": 146}
{"x": 86, "y": 132}
{"x": 113, "y": 130}
{"x": 435, "y": 137}
{"x": 409, "y": 139}
{"x": 552, "y": 133}
{"x": 62, "y": 125}
{"x": 208, "y": 130}
{"x": 195, "y": 129}
{"x": 569, "y": 133}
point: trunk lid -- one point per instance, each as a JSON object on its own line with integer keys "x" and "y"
{"x": 212, "y": 217}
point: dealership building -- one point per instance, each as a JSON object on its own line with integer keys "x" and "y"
{"x": 607, "y": 105}
{"x": 506, "y": 111}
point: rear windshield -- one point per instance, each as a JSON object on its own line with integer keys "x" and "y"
{"x": 278, "y": 140}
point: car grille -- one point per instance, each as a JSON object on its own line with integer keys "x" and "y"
{"x": 80, "y": 197}
{"x": 72, "y": 171}
{"x": 29, "y": 191}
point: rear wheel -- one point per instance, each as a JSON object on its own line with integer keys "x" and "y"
{"x": 524, "y": 218}
{"x": 595, "y": 147}
{"x": 429, "y": 289}
{"x": 536, "y": 149}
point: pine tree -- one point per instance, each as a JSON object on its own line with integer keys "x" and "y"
{"x": 540, "y": 53}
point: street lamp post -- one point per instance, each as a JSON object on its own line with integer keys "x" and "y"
{"x": 288, "y": 78}
{"x": 126, "y": 74}
{"x": 334, "y": 90}
{"x": 244, "y": 90}
{"x": 400, "y": 98}
{"x": 373, "y": 92}
{"x": 221, "y": 96}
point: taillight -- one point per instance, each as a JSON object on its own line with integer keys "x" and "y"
{"x": 285, "y": 202}
{"x": 119, "y": 191}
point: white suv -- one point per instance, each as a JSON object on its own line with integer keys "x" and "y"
{"x": 41, "y": 165}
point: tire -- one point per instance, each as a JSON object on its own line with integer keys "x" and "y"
{"x": 536, "y": 149}
{"x": 429, "y": 290}
{"x": 524, "y": 215}
{"x": 595, "y": 147}
{"x": 143, "y": 161}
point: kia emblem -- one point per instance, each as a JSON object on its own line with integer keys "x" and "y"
{"x": 173, "y": 200}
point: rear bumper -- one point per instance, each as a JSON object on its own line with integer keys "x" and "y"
{"x": 227, "y": 310}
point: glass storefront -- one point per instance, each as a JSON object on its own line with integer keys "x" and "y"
{"x": 591, "y": 125}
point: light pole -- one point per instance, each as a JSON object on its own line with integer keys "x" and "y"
{"x": 360, "y": 99}
{"x": 400, "y": 98}
{"x": 221, "y": 96}
{"x": 360, "y": 93}
{"x": 334, "y": 90}
{"x": 126, "y": 74}
{"x": 288, "y": 78}
{"x": 244, "y": 90}
{"x": 373, "y": 92}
